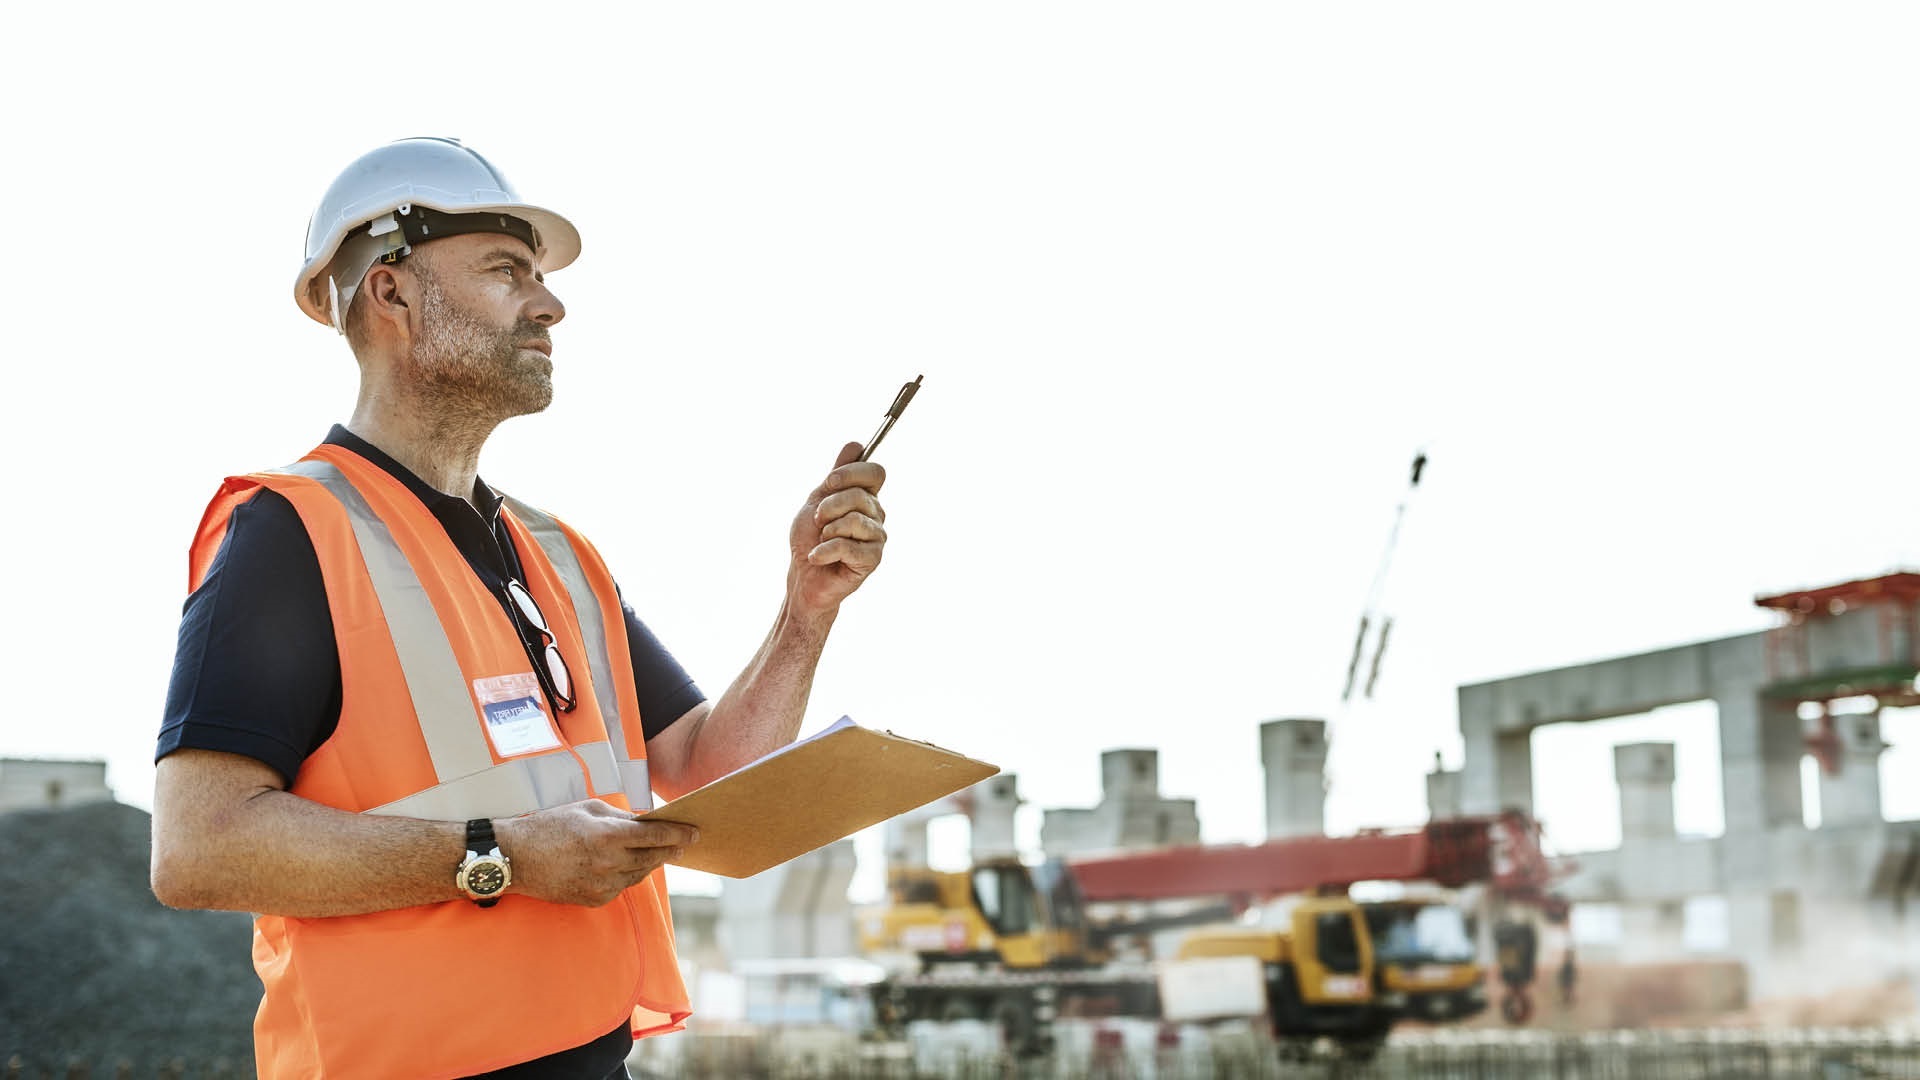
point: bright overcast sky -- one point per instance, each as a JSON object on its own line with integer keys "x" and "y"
{"x": 1189, "y": 284}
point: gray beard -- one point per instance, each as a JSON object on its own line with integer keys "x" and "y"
{"x": 471, "y": 372}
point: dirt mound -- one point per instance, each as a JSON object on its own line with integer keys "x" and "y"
{"x": 93, "y": 967}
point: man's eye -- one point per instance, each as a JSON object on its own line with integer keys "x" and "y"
{"x": 507, "y": 269}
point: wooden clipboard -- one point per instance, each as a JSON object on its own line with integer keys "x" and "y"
{"x": 811, "y": 793}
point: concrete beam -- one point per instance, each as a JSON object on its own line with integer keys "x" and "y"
{"x": 1621, "y": 686}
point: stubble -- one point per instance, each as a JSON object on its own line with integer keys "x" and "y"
{"x": 470, "y": 370}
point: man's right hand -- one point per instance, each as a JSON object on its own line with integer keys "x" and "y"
{"x": 586, "y": 852}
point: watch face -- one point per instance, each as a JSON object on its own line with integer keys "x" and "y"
{"x": 486, "y": 878}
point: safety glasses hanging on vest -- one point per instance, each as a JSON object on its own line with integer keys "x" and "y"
{"x": 554, "y": 677}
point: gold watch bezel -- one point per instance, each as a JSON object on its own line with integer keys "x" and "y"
{"x": 463, "y": 877}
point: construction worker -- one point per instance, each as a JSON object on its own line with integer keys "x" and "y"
{"x": 411, "y": 721}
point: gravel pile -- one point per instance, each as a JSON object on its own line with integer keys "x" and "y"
{"x": 93, "y": 967}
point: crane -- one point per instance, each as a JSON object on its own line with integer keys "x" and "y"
{"x": 1370, "y": 611}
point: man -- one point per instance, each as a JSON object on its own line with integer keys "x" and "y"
{"x": 411, "y": 723}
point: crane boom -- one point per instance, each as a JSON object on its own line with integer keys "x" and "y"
{"x": 1374, "y": 590}
{"x": 1500, "y": 850}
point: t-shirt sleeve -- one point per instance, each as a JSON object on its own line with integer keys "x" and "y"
{"x": 256, "y": 671}
{"x": 663, "y": 688}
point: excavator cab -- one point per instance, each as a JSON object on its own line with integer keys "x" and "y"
{"x": 1005, "y": 899}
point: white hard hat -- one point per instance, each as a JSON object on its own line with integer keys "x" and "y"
{"x": 405, "y": 193}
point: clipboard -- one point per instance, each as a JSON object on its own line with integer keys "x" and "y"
{"x": 810, "y": 793}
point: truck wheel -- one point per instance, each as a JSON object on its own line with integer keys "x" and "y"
{"x": 1363, "y": 1048}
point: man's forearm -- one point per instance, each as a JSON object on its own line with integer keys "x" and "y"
{"x": 762, "y": 709}
{"x": 224, "y": 839}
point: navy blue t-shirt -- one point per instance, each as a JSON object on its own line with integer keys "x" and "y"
{"x": 257, "y": 671}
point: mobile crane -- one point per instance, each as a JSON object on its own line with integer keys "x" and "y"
{"x": 1423, "y": 971}
{"x": 1018, "y": 945}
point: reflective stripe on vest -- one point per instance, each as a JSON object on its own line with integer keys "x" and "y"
{"x": 593, "y": 629}
{"x": 470, "y": 783}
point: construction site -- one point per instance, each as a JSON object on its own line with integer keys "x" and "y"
{"x": 1125, "y": 946}
{"x": 1452, "y": 943}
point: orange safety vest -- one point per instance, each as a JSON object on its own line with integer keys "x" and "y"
{"x": 452, "y": 989}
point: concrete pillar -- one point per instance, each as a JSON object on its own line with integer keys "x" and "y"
{"x": 906, "y": 834}
{"x": 1069, "y": 831}
{"x": 1129, "y": 774}
{"x": 994, "y": 801}
{"x": 830, "y": 929}
{"x": 1443, "y": 792}
{"x": 1293, "y": 757}
{"x": 1765, "y": 929}
{"x": 906, "y": 841}
{"x": 1156, "y": 823}
{"x": 1498, "y": 772}
{"x": 1644, "y": 772}
{"x": 1760, "y": 751}
{"x": 796, "y": 909}
{"x": 1853, "y": 797}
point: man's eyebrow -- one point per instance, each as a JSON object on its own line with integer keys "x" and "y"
{"x": 519, "y": 261}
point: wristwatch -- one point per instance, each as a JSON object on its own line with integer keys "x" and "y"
{"x": 485, "y": 873}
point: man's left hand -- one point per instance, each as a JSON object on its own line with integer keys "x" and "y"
{"x": 838, "y": 535}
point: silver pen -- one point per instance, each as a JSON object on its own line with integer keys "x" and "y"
{"x": 893, "y": 413}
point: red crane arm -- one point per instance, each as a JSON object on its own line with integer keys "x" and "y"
{"x": 1502, "y": 850}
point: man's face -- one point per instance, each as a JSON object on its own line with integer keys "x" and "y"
{"x": 482, "y": 344}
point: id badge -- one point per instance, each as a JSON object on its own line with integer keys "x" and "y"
{"x": 514, "y": 720}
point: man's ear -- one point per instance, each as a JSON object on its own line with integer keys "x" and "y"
{"x": 386, "y": 293}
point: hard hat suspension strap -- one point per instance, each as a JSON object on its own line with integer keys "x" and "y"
{"x": 391, "y": 237}
{"x": 419, "y": 224}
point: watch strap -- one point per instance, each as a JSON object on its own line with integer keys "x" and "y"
{"x": 480, "y": 836}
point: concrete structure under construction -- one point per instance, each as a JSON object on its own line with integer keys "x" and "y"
{"x": 800, "y": 910}
{"x": 1131, "y": 814}
{"x": 1293, "y": 756}
{"x": 989, "y": 807}
{"x": 45, "y": 784}
{"x": 1806, "y": 909}
{"x": 796, "y": 909}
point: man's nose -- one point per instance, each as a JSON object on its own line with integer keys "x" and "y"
{"x": 545, "y": 308}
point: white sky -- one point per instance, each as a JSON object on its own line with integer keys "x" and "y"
{"x": 1189, "y": 284}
